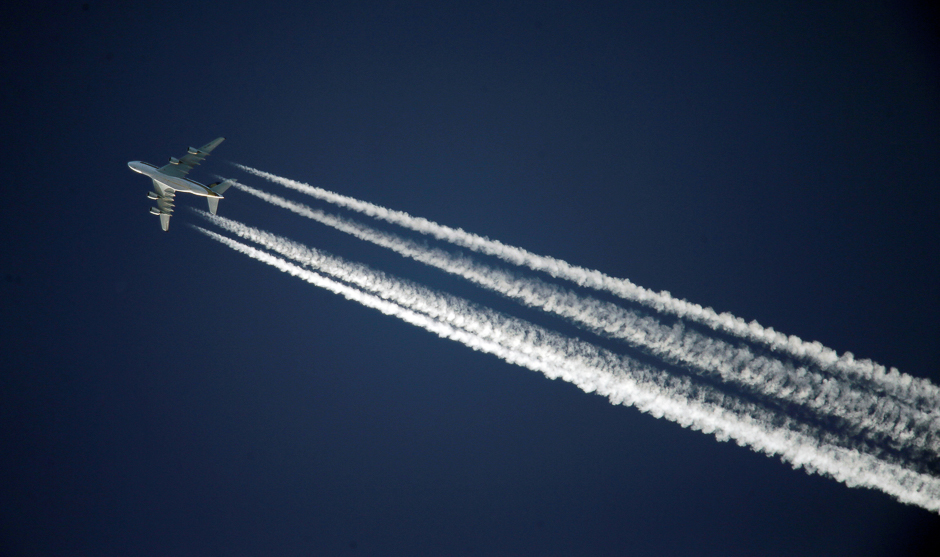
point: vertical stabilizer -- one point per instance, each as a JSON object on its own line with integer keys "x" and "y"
{"x": 213, "y": 204}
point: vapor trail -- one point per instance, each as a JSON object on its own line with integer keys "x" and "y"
{"x": 878, "y": 418}
{"x": 619, "y": 378}
{"x": 919, "y": 392}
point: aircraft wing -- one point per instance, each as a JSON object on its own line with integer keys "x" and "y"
{"x": 180, "y": 167}
{"x": 164, "y": 197}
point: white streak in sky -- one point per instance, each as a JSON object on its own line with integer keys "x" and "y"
{"x": 592, "y": 369}
{"x": 919, "y": 392}
{"x": 875, "y": 416}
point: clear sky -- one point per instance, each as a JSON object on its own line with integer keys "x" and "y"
{"x": 163, "y": 395}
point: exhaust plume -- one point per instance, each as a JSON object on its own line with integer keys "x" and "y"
{"x": 621, "y": 379}
{"x": 878, "y": 418}
{"x": 919, "y": 392}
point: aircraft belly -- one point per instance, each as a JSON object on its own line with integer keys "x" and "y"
{"x": 188, "y": 187}
{"x": 185, "y": 186}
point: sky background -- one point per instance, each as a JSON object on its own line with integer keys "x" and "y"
{"x": 163, "y": 395}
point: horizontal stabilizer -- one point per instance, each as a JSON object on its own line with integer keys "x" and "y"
{"x": 213, "y": 204}
{"x": 220, "y": 187}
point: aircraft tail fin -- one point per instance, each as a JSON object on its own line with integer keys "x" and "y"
{"x": 213, "y": 204}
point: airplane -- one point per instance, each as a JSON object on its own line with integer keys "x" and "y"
{"x": 171, "y": 178}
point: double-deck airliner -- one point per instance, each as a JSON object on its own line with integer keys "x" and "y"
{"x": 171, "y": 178}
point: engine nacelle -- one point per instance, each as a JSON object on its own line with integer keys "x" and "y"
{"x": 153, "y": 195}
{"x": 174, "y": 160}
{"x": 154, "y": 211}
{"x": 194, "y": 151}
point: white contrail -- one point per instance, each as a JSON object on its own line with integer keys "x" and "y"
{"x": 920, "y": 392}
{"x": 620, "y": 379}
{"x": 874, "y": 416}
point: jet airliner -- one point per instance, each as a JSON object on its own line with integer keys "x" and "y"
{"x": 171, "y": 178}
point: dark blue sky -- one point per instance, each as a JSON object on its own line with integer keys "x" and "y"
{"x": 162, "y": 395}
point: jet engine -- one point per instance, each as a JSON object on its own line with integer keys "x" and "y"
{"x": 153, "y": 195}
{"x": 194, "y": 151}
{"x": 154, "y": 211}
{"x": 174, "y": 160}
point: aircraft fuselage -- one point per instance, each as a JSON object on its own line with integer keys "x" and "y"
{"x": 172, "y": 182}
